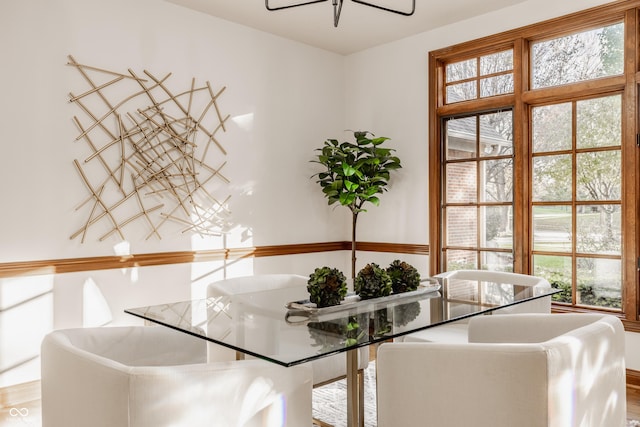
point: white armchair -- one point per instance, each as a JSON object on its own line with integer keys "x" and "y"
{"x": 325, "y": 370}
{"x": 529, "y": 370}
{"x": 153, "y": 376}
{"x": 458, "y": 331}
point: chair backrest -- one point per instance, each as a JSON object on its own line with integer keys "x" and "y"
{"x": 325, "y": 370}
{"x": 244, "y": 285}
{"x": 496, "y": 276}
{"x": 556, "y": 370}
{"x": 524, "y": 328}
{"x": 132, "y": 345}
{"x": 537, "y": 284}
{"x": 259, "y": 282}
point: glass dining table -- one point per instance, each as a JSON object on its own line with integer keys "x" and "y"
{"x": 282, "y": 327}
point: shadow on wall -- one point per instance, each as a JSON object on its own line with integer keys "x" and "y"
{"x": 26, "y": 316}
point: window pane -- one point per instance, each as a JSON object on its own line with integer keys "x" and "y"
{"x": 496, "y": 180}
{"x": 599, "y": 282}
{"x": 578, "y": 57}
{"x": 598, "y": 175}
{"x": 464, "y": 290}
{"x": 557, "y": 270}
{"x": 461, "y": 182}
{"x": 497, "y": 293}
{"x": 461, "y": 260}
{"x": 462, "y": 226}
{"x": 497, "y": 261}
{"x": 461, "y": 138}
{"x": 496, "y": 62}
{"x": 496, "y": 85}
{"x": 497, "y": 229}
{"x": 552, "y": 228}
{"x": 496, "y": 134}
{"x": 552, "y": 178}
{"x": 599, "y": 122}
{"x": 598, "y": 229}
{"x": 552, "y": 128}
{"x": 461, "y": 70}
{"x": 461, "y": 92}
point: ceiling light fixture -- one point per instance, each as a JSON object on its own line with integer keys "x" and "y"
{"x": 337, "y": 7}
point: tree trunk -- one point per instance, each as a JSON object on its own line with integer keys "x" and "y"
{"x": 353, "y": 245}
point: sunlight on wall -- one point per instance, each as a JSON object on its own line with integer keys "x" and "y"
{"x": 26, "y": 316}
{"x": 203, "y": 273}
{"x": 95, "y": 309}
{"x": 123, "y": 249}
{"x": 244, "y": 121}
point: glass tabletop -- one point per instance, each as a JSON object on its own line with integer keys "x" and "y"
{"x": 260, "y": 324}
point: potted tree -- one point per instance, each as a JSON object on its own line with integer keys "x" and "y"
{"x": 355, "y": 174}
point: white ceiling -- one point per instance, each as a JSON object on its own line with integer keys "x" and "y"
{"x": 360, "y": 26}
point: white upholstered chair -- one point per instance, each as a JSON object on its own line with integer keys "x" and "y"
{"x": 152, "y": 376}
{"x": 325, "y": 370}
{"x": 525, "y": 370}
{"x": 458, "y": 331}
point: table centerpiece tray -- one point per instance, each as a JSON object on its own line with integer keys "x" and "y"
{"x": 352, "y": 300}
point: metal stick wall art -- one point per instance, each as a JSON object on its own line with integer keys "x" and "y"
{"x": 152, "y": 156}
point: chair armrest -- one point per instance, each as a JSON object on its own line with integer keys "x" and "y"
{"x": 68, "y": 380}
{"x": 588, "y": 363}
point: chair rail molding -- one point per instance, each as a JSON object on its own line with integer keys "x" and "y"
{"x": 72, "y": 265}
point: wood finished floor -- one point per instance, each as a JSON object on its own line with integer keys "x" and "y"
{"x": 633, "y": 403}
{"x": 20, "y": 405}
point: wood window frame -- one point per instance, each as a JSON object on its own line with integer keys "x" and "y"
{"x": 628, "y": 84}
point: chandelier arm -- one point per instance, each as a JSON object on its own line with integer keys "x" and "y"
{"x": 336, "y": 12}
{"x": 266, "y": 4}
{"x": 399, "y": 12}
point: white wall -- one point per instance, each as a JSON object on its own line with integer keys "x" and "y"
{"x": 287, "y": 95}
{"x": 386, "y": 91}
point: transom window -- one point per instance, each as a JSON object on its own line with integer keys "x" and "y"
{"x": 480, "y": 77}
{"x": 578, "y": 57}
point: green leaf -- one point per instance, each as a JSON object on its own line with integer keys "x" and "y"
{"x": 348, "y": 170}
{"x": 351, "y": 186}
{"x": 347, "y": 198}
{"x": 378, "y": 141}
{"x": 352, "y": 326}
{"x": 371, "y": 191}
